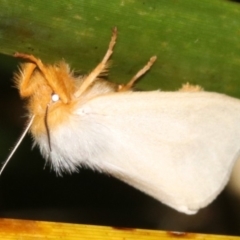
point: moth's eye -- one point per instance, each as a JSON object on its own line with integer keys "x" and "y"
{"x": 55, "y": 97}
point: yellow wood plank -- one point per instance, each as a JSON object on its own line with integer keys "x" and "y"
{"x": 28, "y": 230}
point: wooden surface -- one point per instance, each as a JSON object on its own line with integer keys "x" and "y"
{"x": 28, "y": 230}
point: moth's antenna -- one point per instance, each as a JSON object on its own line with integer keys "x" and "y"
{"x": 18, "y": 143}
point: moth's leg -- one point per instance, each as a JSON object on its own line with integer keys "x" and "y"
{"x": 43, "y": 69}
{"x": 101, "y": 67}
{"x": 129, "y": 85}
{"x": 22, "y": 79}
{"x": 57, "y": 84}
{"x": 187, "y": 87}
{"x": 33, "y": 59}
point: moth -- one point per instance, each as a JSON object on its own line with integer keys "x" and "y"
{"x": 178, "y": 147}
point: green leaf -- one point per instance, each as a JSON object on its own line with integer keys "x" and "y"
{"x": 195, "y": 41}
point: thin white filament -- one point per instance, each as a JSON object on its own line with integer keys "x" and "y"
{"x": 17, "y": 144}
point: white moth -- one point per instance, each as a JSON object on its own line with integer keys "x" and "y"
{"x": 178, "y": 147}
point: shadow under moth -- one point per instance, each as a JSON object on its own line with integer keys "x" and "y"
{"x": 178, "y": 147}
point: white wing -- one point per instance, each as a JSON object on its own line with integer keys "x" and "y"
{"x": 178, "y": 147}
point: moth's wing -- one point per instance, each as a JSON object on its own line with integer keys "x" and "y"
{"x": 178, "y": 147}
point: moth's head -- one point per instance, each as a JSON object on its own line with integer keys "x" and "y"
{"x": 47, "y": 88}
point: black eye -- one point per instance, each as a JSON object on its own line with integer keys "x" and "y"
{"x": 55, "y": 97}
